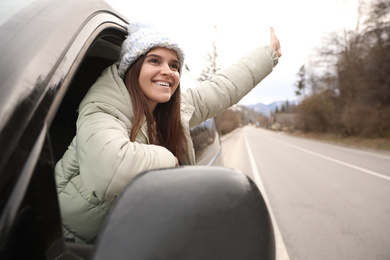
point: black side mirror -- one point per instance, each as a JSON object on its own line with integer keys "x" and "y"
{"x": 190, "y": 212}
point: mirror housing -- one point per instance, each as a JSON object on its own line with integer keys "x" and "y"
{"x": 192, "y": 212}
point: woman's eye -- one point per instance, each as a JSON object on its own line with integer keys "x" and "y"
{"x": 175, "y": 66}
{"x": 154, "y": 61}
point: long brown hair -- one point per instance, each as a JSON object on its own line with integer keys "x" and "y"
{"x": 164, "y": 124}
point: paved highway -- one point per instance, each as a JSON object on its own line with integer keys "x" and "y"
{"x": 327, "y": 201}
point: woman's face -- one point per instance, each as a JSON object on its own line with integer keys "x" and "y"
{"x": 159, "y": 76}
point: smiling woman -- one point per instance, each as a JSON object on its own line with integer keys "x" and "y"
{"x": 135, "y": 118}
{"x": 153, "y": 83}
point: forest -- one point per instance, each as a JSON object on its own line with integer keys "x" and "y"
{"x": 346, "y": 90}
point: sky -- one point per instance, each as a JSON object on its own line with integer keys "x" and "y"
{"x": 242, "y": 25}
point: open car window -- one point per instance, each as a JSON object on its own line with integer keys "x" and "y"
{"x": 103, "y": 52}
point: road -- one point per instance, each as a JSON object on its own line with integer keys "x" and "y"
{"x": 327, "y": 201}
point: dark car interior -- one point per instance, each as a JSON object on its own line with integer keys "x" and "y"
{"x": 103, "y": 53}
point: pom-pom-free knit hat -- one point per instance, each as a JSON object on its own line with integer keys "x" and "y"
{"x": 140, "y": 39}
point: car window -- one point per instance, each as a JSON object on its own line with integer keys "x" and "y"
{"x": 103, "y": 52}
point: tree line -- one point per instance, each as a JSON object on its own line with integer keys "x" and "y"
{"x": 346, "y": 89}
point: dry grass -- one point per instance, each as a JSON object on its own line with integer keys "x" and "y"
{"x": 382, "y": 144}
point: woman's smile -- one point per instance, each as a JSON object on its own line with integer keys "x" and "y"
{"x": 164, "y": 84}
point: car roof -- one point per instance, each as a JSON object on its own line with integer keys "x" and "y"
{"x": 23, "y": 46}
{"x": 34, "y": 36}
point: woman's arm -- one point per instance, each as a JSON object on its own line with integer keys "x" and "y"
{"x": 230, "y": 85}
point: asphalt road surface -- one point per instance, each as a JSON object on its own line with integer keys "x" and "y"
{"x": 326, "y": 201}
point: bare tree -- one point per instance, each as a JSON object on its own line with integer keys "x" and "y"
{"x": 212, "y": 61}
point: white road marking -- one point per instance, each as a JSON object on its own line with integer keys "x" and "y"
{"x": 281, "y": 252}
{"x": 335, "y": 160}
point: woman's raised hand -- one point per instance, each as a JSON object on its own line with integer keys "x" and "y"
{"x": 274, "y": 42}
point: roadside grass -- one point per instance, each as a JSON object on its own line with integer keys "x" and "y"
{"x": 382, "y": 144}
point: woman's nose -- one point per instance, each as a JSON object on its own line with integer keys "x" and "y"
{"x": 166, "y": 69}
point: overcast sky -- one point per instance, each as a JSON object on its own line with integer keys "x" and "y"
{"x": 243, "y": 25}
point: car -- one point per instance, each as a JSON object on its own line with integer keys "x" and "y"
{"x": 52, "y": 52}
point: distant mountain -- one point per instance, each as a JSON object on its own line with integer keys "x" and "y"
{"x": 267, "y": 109}
{"x": 261, "y": 108}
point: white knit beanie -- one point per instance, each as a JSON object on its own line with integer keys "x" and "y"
{"x": 140, "y": 39}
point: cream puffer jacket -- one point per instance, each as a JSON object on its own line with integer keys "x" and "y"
{"x": 101, "y": 159}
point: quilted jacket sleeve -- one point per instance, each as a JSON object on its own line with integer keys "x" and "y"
{"x": 108, "y": 159}
{"x": 230, "y": 85}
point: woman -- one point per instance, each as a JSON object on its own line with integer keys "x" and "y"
{"x": 135, "y": 118}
